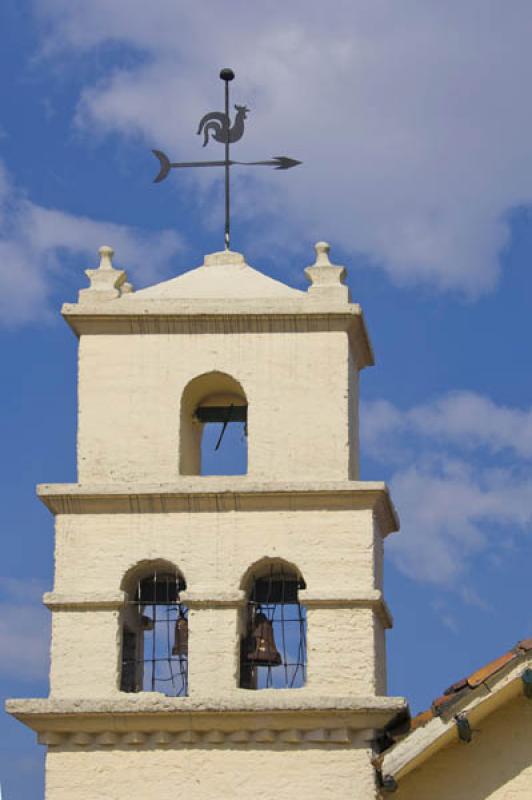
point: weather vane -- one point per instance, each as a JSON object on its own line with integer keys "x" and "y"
{"x": 217, "y": 125}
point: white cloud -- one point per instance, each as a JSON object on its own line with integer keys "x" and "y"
{"x": 410, "y": 117}
{"x": 24, "y": 630}
{"x": 464, "y": 418}
{"x": 448, "y": 518}
{"x": 452, "y": 503}
{"x": 33, "y": 240}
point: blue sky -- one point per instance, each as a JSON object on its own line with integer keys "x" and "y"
{"x": 415, "y": 130}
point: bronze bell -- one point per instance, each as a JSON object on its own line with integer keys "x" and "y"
{"x": 261, "y": 648}
{"x": 146, "y": 623}
{"x": 180, "y": 647}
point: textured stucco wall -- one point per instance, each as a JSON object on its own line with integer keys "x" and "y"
{"x": 496, "y": 765}
{"x": 210, "y": 774}
{"x": 297, "y": 387}
{"x": 335, "y": 551}
{"x": 85, "y": 653}
{"x": 353, "y": 419}
{"x": 379, "y": 654}
{"x": 341, "y": 653}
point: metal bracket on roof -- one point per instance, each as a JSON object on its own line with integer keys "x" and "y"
{"x": 465, "y": 734}
{"x": 386, "y": 782}
{"x": 526, "y": 677}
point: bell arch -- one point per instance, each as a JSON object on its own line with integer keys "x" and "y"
{"x": 154, "y": 630}
{"x": 267, "y": 566}
{"x": 273, "y": 650}
{"x": 146, "y": 567}
{"x": 214, "y": 397}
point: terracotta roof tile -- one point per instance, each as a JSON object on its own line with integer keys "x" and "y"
{"x": 490, "y": 669}
{"x": 456, "y": 687}
{"x": 421, "y": 719}
{"x": 440, "y": 701}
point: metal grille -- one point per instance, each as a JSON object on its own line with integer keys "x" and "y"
{"x": 155, "y": 638}
{"x": 274, "y": 597}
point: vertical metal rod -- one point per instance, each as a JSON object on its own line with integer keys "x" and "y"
{"x": 154, "y": 633}
{"x": 227, "y": 236}
{"x": 283, "y": 631}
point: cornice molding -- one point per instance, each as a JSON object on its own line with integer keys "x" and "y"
{"x": 243, "y": 713}
{"x": 139, "y": 739}
{"x": 185, "y": 317}
{"x": 205, "y": 495}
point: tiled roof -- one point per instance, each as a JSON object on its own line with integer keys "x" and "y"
{"x": 403, "y": 747}
{"x": 457, "y": 690}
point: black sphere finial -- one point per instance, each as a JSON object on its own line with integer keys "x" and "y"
{"x": 227, "y": 74}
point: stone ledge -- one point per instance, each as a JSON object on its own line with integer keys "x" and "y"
{"x": 197, "y": 600}
{"x": 136, "y": 306}
{"x": 239, "y": 710}
{"x": 84, "y": 602}
{"x": 206, "y": 494}
{"x": 373, "y": 599}
{"x": 237, "y": 701}
{"x": 213, "y": 600}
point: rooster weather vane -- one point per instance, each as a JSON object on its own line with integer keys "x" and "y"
{"x": 217, "y": 125}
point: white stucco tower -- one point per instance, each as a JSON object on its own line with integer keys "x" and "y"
{"x": 150, "y": 554}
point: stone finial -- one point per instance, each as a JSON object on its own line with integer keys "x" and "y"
{"x": 322, "y": 254}
{"x": 106, "y": 282}
{"x": 106, "y": 257}
{"x": 326, "y": 279}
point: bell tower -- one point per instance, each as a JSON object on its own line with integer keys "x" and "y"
{"x": 216, "y": 636}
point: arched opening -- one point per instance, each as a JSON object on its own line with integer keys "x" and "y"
{"x": 273, "y": 651}
{"x": 155, "y": 632}
{"x": 214, "y": 415}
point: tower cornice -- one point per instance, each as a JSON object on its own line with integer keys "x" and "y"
{"x": 266, "y": 717}
{"x": 230, "y": 316}
{"x": 206, "y": 494}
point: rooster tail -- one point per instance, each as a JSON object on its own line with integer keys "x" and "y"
{"x": 213, "y": 128}
{"x": 203, "y": 127}
{"x": 214, "y": 124}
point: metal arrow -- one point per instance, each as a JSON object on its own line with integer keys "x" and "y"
{"x": 217, "y": 125}
{"x": 278, "y": 162}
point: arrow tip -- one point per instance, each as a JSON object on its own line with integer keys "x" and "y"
{"x": 283, "y": 162}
